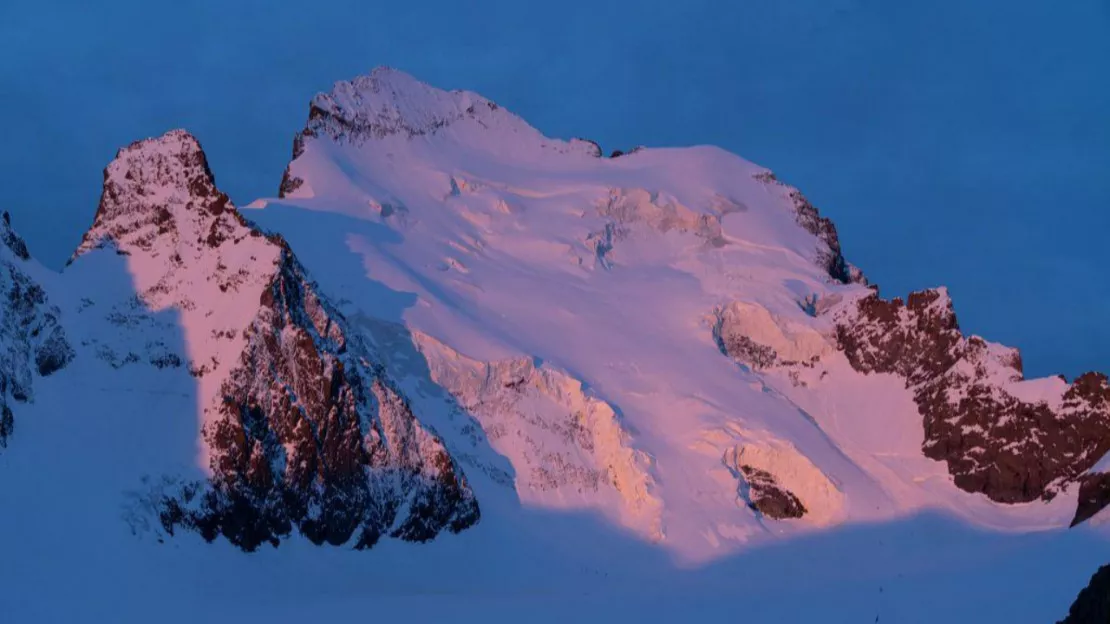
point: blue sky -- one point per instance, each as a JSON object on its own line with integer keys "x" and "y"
{"x": 957, "y": 142}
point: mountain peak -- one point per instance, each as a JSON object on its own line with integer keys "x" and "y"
{"x": 388, "y": 102}
{"x": 389, "y": 106}
{"x": 176, "y": 156}
{"x": 152, "y": 188}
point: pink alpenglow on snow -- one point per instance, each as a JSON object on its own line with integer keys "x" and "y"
{"x": 458, "y": 358}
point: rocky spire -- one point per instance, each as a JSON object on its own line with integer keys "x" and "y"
{"x": 301, "y": 430}
{"x": 161, "y": 189}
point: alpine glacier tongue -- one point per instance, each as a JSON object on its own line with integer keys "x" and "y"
{"x": 299, "y": 427}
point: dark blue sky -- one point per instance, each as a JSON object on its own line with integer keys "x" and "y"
{"x": 957, "y": 142}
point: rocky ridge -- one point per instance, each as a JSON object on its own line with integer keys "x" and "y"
{"x": 994, "y": 441}
{"x": 779, "y": 483}
{"x": 997, "y": 435}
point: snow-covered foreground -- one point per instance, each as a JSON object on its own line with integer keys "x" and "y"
{"x": 69, "y": 554}
{"x": 637, "y": 364}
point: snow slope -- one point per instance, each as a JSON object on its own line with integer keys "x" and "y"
{"x": 656, "y": 374}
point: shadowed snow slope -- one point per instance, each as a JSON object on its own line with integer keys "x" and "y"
{"x": 656, "y": 373}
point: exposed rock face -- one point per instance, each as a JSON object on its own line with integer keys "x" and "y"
{"x": 994, "y": 442}
{"x": 746, "y": 351}
{"x": 11, "y": 240}
{"x": 310, "y": 434}
{"x": 766, "y": 496}
{"x": 591, "y": 147}
{"x": 779, "y": 482}
{"x": 807, "y": 216}
{"x": 289, "y": 182}
{"x": 301, "y": 429}
{"x": 32, "y": 340}
{"x": 1093, "y": 602}
{"x": 1094, "y": 496}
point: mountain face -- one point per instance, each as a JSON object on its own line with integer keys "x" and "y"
{"x": 995, "y": 436}
{"x": 446, "y": 315}
{"x": 1093, "y": 602}
{"x": 1011, "y": 447}
{"x": 299, "y": 427}
{"x": 488, "y": 206}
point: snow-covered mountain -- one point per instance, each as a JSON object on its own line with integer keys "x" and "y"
{"x": 652, "y": 370}
{"x": 298, "y": 425}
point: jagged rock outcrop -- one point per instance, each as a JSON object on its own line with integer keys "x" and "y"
{"x": 1093, "y": 602}
{"x": 745, "y": 350}
{"x": 289, "y": 182}
{"x": 592, "y": 148}
{"x": 765, "y": 495}
{"x": 32, "y": 339}
{"x": 301, "y": 429}
{"x": 11, "y": 240}
{"x": 995, "y": 442}
{"x": 159, "y": 193}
